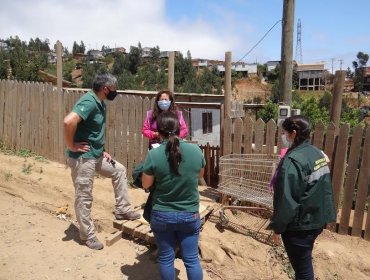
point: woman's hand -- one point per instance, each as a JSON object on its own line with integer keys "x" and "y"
{"x": 276, "y": 239}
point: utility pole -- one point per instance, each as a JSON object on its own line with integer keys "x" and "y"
{"x": 59, "y": 66}
{"x": 340, "y": 63}
{"x": 336, "y": 104}
{"x": 286, "y": 71}
{"x": 227, "y": 94}
{"x": 171, "y": 71}
{"x": 332, "y": 66}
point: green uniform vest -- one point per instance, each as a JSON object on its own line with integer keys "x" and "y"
{"x": 92, "y": 127}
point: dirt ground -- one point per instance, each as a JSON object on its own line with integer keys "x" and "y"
{"x": 37, "y": 243}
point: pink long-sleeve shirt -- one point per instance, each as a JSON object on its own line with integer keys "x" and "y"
{"x": 150, "y": 126}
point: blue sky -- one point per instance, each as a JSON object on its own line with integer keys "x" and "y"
{"x": 332, "y": 30}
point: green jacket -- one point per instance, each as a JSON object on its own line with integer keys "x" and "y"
{"x": 303, "y": 197}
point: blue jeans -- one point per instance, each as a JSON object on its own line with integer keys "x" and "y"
{"x": 171, "y": 228}
{"x": 299, "y": 245}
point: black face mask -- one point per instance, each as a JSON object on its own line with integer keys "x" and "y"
{"x": 111, "y": 95}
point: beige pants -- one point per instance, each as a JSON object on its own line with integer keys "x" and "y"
{"x": 82, "y": 171}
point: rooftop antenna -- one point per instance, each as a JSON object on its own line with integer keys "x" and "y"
{"x": 298, "y": 51}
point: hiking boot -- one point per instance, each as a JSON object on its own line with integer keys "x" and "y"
{"x": 94, "y": 243}
{"x": 131, "y": 215}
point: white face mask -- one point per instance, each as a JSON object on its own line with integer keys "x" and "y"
{"x": 286, "y": 142}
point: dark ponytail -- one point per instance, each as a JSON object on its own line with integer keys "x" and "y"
{"x": 169, "y": 128}
{"x": 301, "y": 125}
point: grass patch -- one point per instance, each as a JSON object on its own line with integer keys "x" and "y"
{"x": 24, "y": 153}
{"x": 41, "y": 159}
{"x": 27, "y": 168}
{"x": 8, "y": 176}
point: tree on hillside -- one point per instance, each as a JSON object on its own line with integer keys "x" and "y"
{"x": 4, "y": 59}
{"x": 359, "y": 66}
{"x": 78, "y": 48}
{"x": 134, "y": 58}
{"x": 184, "y": 73}
{"x": 89, "y": 72}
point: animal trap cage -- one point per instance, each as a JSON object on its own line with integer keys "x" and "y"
{"x": 246, "y": 177}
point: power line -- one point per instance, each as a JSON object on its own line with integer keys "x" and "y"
{"x": 263, "y": 37}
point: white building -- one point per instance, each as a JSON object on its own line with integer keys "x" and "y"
{"x": 205, "y": 126}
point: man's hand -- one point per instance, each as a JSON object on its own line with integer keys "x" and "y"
{"x": 107, "y": 156}
{"x": 82, "y": 147}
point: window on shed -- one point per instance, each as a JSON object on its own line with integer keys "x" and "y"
{"x": 207, "y": 122}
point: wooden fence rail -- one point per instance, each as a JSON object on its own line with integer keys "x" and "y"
{"x": 31, "y": 117}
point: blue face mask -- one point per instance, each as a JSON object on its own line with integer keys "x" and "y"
{"x": 164, "y": 104}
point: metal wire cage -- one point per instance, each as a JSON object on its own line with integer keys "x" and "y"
{"x": 246, "y": 177}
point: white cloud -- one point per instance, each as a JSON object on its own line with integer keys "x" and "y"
{"x": 112, "y": 22}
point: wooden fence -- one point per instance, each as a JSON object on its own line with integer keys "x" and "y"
{"x": 31, "y": 117}
{"x": 349, "y": 162}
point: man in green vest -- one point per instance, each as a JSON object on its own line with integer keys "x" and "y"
{"x": 84, "y": 129}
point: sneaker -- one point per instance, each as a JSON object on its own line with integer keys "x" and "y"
{"x": 131, "y": 215}
{"x": 94, "y": 243}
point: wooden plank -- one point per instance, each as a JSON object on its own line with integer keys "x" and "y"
{"x": 227, "y": 144}
{"x": 279, "y": 143}
{"x": 146, "y": 107}
{"x": 141, "y": 231}
{"x": 270, "y": 137}
{"x": 238, "y": 133}
{"x": 318, "y": 136}
{"x": 18, "y": 116}
{"x": 149, "y": 237}
{"x": 362, "y": 189}
{"x": 22, "y": 106}
{"x": 330, "y": 143}
{"x": 130, "y": 226}
{"x": 350, "y": 181}
{"x": 125, "y": 128}
{"x": 131, "y": 136}
{"x": 13, "y": 114}
{"x": 339, "y": 169}
{"x": 367, "y": 225}
{"x": 7, "y": 114}
{"x": 138, "y": 101}
{"x": 27, "y": 108}
{"x": 2, "y": 106}
{"x": 260, "y": 136}
{"x": 113, "y": 238}
{"x": 118, "y": 224}
{"x": 248, "y": 135}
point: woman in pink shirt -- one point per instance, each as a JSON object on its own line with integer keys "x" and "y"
{"x": 164, "y": 101}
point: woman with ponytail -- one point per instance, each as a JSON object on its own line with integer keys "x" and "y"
{"x": 175, "y": 167}
{"x": 303, "y": 196}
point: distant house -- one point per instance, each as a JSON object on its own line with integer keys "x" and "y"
{"x": 271, "y": 65}
{"x": 200, "y": 63}
{"x": 366, "y": 79}
{"x": 145, "y": 52}
{"x": 4, "y": 45}
{"x": 246, "y": 69}
{"x": 52, "y": 57}
{"x": 113, "y": 51}
{"x": 95, "y": 56}
{"x": 310, "y": 76}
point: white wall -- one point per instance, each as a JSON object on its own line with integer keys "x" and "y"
{"x": 197, "y": 129}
